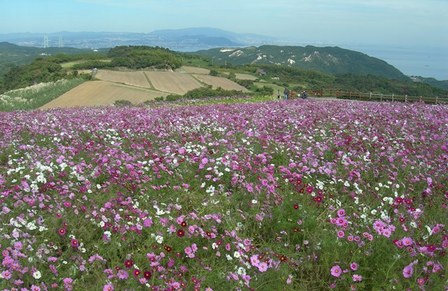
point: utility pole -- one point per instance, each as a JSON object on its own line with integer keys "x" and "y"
{"x": 46, "y": 41}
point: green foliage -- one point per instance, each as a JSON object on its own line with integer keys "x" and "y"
{"x": 41, "y": 70}
{"x": 173, "y": 97}
{"x": 88, "y": 65}
{"x": 210, "y": 92}
{"x": 377, "y": 84}
{"x": 265, "y": 90}
{"x": 64, "y": 58}
{"x": 13, "y": 55}
{"x": 249, "y": 84}
{"x": 213, "y": 72}
{"x": 123, "y": 103}
{"x": 138, "y": 57}
{"x": 331, "y": 60}
{"x": 204, "y": 92}
{"x": 36, "y": 96}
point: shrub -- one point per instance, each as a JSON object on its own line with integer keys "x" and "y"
{"x": 123, "y": 103}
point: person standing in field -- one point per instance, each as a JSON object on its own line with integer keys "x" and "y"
{"x": 285, "y": 93}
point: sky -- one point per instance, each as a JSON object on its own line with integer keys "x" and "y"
{"x": 346, "y": 23}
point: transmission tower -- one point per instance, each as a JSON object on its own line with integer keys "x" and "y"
{"x": 46, "y": 41}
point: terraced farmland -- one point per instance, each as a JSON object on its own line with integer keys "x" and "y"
{"x": 136, "y": 78}
{"x": 172, "y": 82}
{"x": 101, "y": 93}
{"x": 138, "y": 87}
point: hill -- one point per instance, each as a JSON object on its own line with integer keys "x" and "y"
{"x": 431, "y": 81}
{"x": 13, "y": 55}
{"x": 332, "y": 60}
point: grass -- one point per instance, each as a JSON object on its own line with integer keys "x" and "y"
{"x": 35, "y": 96}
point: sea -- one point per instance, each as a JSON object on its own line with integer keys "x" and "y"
{"x": 428, "y": 62}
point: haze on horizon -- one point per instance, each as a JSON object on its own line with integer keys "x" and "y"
{"x": 345, "y": 23}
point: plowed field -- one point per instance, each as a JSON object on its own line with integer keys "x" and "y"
{"x": 194, "y": 70}
{"x": 136, "y": 78}
{"x": 224, "y": 83}
{"x": 100, "y": 93}
{"x": 172, "y": 82}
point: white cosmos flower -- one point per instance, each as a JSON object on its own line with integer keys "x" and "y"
{"x": 241, "y": 271}
{"x": 31, "y": 226}
{"x": 37, "y": 274}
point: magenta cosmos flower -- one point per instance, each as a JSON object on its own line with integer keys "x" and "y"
{"x": 74, "y": 243}
{"x": 408, "y": 271}
{"x": 336, "y": 271}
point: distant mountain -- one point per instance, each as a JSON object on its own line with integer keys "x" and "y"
{"x": 238, "y": 39}
{"x": 431, "y": 81}
{"x": 188, "y": 39}
{"x": 333, "y": 60}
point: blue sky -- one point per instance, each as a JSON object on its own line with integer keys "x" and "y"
{"x": 397, "y": 31}
{"x": 339, "y": 22}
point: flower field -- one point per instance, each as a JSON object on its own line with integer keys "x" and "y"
{"x": 289, "y": 195}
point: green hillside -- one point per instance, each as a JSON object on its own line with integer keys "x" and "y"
{"x": 270, "y": 76}
{"x": 12, "y": 55}
{"x": 332, "y": 60}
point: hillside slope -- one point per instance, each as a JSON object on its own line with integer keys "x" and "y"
{"x": 13, "y": 55}
{"x": 333, "y": 60}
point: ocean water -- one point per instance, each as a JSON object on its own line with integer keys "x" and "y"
{"x": 429, "y": 62}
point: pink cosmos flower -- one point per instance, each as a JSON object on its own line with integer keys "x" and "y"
{"x": 122, "y": 274}
{"x": 407, "y": 241}
{"x": 147, "y": 222}
{"x": 354, "y": 266}
{"x": 408, "y": 271}
{"x": 262, "y": 267}
{"x": 189, "y": 252}
{"x": 357, "y": 278}
{"x": 18, "y": 245}
{"x": 68, "y": 284}
{"x": 254, "y": 260}
{"x": 336, "y": 271}
{"x": 6, "y": 274}
{"x": 108, "y": 287}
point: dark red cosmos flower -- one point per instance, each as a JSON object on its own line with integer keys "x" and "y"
{"x": 180, "y": 233}
{"x": 128, "y": 263}
{"x": 296, "y": 206}
{"x": 74, "y": 243}
{"x": 62, "y": 231}
{"x": 137, "y": 272}
{"x": 183, "y": 224}
{"x": 318, "y": 199}
{"x": 168, "y": 248}
{"x": 147, "y": 275}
